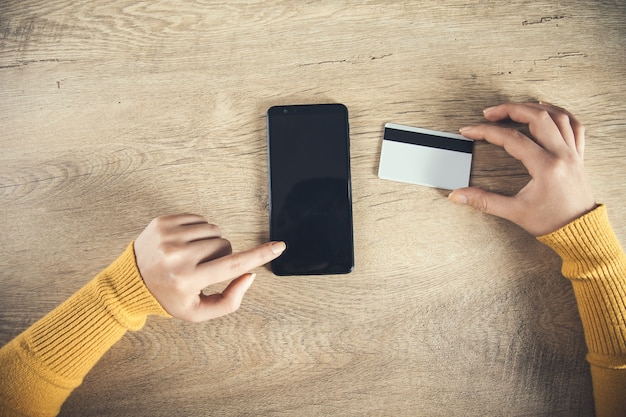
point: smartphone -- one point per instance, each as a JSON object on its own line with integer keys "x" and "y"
{"x": 310, "y": 195}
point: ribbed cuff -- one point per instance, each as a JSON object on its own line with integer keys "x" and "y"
{"x": 594, "y": 261}
{"x": 73, "y": 337}
{"x": 588, "y": 246}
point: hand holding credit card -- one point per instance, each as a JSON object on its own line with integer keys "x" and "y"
{"x": 425, "y": 157}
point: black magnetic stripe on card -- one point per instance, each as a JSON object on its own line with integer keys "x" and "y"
{"x": 431, "y": 141}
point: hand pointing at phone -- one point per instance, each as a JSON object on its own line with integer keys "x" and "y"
{"x": 180, "y": 255}
{"x": 559, "y": 191}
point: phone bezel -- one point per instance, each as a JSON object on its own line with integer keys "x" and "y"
{"x": 294, "y": 109}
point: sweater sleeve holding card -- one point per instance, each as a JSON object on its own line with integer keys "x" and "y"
{"x": 40, "y": 367}
{"x": 595, "y": 263}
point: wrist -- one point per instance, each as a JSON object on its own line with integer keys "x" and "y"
{"x": 584, "y": 243}
{"x": 133, "y": 300}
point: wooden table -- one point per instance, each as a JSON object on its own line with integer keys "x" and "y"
{"x": 115, "y": 112}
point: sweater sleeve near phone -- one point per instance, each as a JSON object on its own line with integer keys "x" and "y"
{"x": 43, "y": 365}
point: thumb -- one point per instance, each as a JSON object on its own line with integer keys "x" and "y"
{"x": 485, "y": 201}
{"x": 217, "y": 305}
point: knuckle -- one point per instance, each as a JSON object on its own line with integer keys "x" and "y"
{"x": 171, "y": 253}
{"x": 160, "y": 223}
{"x": 514, "y": 133}
{"x": 215, "y": 229}
{"x": 243, "y": 262}
{"x": 543, "y": 114}
{"x": 482, "y": 205}
{"x": 237, "y": 265}
{"x": 560, "y": 167}
{"x": 561, "y": 118}
{"x": 480, "y": 202}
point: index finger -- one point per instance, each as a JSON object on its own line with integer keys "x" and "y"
{"x": 237, "y": 264}
{"x": 539, "y": 121}
{"x": 514, "y": 142}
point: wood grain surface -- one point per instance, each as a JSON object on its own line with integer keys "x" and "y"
{"x": 117, "y": 111}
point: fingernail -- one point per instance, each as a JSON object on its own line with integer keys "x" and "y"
{"x": 278, "y": 247}
{"x": 489, "y": 109}
{"x": 248, "y": 282}
{"x": 458, "y": 198}
{"x": 466, "y": 129}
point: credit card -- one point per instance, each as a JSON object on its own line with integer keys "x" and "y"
{"x": 425, "y": 157}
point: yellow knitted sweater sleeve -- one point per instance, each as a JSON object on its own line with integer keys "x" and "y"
{"x": 595, "y": 263}
{"x": 40, "y": 367}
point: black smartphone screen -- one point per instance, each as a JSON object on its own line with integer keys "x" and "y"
{"x": 310, "y": 198}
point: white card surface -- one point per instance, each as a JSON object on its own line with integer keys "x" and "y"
{"x": 425, "y": 157}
